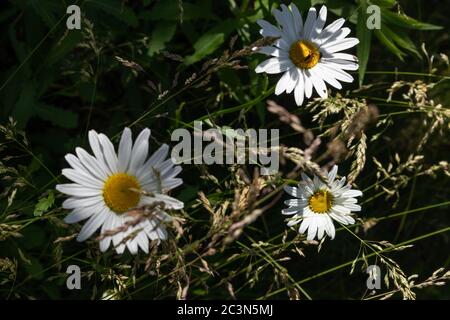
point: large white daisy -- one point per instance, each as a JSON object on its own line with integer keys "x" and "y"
{"x": 318, "y": 203}
{"x": 308, "y": 53}
{"x": 108, "y": 186}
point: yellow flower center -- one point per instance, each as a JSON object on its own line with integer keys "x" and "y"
{"x": 121, "y": 192}
{"x": 304, "y": 54}
{"x": 320, "y": 201}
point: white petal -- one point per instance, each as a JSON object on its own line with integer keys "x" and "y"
{"x": 106, "y": 241}
{"x": 342, "y": 64}
{"x": 342, "y": 45}
{"x": 97, "y": 168}
{"x": 273, "y": 51}
{"x": 320, "y": 22}
{"x": 162, "y": 233}
{"x": 352, "y": 193}
{"x": 124, "y": 150}
{"x": 82, "y": 178}
{"x": 139, "y": 151}
{"x": 74, "y": 189}
{"x": 151, "y": 228}
{"x": 304, "y": 226}
{"x": 309, "y": 23}
{"x": 352, "y": 206}
{"x": 285, "y": 24}
{"x": 312, "y": 229}
{"x": 293, "y": 222}
{"x": 337, "y": 217}
{"x": 295, "y": 202}
{"x": 299, "y": 93}
{"x": 172, "y": 183}
{"x": 305, "y": 178}
{"x": 170, "y": 203}
{"x": 265, "y": 64}
{"x": 293, "y": 191}
{"x": 282, "y": 83}
{"x": 74, "y": 202}
{"x": 292, "y": 210}
{"x": 337, "y": 73}
{"x": 158, "y": 156}
{"x": 335, "y": 38}
{"x": 332, "y": 174}
{"x": 328, "y": 77}
{"x": 76, "y": 164}
{"x": 289, "y": 27}
{"x": 142, "y": 239}
{"x": 329, "y": 228}
{"x": 95, "y": 146}
{"x": 340, "y": 55}
{"x": 117, "y": 223}
{"x": 322, "y": 222}
{"x": 298, "y": 21}
{"x": 340, "y": 209}
{"x": 268, "y": 29}
{"x": 330, "y": 30}
{"x": 132, "y": 245}
{"x": 92, "y": 225}
{"x": 318, "y": 83}
{"x": 120, "y": 249}
{"x": 79, "y": 214}
{"x": 349, "y": 220}
{"x": 308, "y": 84}
{"x": 283, "y": 65}
{"x": 294, "y": 76}
{"x": 109, "y": 152}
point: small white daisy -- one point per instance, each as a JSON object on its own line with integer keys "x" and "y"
{"x": 108, "y": 186}
{"x": 308, "y": 53}
{"x": 318, "y": 203}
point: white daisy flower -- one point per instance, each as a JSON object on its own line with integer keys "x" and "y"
{"x": 108, "y": 186}
{"x": 317, "y": 204}
{"x": 308, "y": 53}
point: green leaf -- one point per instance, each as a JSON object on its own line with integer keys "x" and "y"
{"x": 23, "y": 109}
{"x": 406, "y": 22}
{"x": 211, "y": 41}
{"x": 45, "y": 9}
{"x": 59, "y": 117}
{"x": 364, "y": 35}
{"x": 118, "y": 10}
{"x": 207, "y": 44}
{"x": 163, "y": 32}
{"x": 389, "y": 44}
{"x": 35, "y": 269}
{"x": 169, "y": 10}
{"x": 44, "y": 204}
{"x": 383, "y": 3}
{"x": 66, "y": 44}
{"x": 401, "y": 39}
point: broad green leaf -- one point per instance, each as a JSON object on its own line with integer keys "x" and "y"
{"x": 211, "y": 41}
{"x": 163, "y": 32}
{"x": 46, "y": 10}
{"x": 44, "y": 204}
{"x": 59, "y": 117}
{"x": 35, "y": 269}
{"x": 171, "y": 10}
{"x": 383, "y": 3}
{"x": 401, "y": 39}
{"x": 389, "y": 44}
{"x": 118, "y": 10}
{"x": 364, "y": 35}
{"x": 406, "y": 22}
{"x": 66, "y": 44}
{"x": 24, "y": 107}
